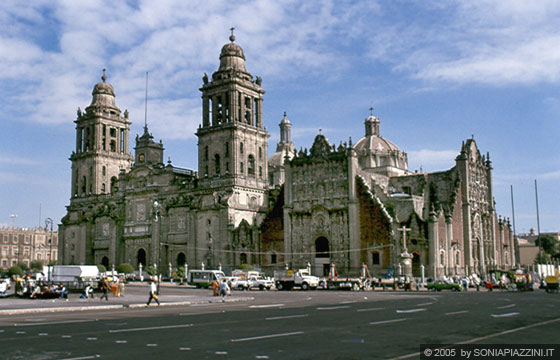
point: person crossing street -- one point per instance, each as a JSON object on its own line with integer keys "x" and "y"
{"x": 153, "y": 293}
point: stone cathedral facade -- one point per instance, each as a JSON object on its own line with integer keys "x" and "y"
{"x": 350, "y": 204}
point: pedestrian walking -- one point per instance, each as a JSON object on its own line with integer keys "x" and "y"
{"x": 153, "y": 291}
{"x": 224, "y": 289}
{"x": 104, "y": 287}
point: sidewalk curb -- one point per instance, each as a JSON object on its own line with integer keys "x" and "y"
{"x": 119, "y": 306}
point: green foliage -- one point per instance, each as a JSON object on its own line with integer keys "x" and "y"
{"x": 181, "y": 272}
{"x": 151, "y": 270}
{"x": 52, "y": 263}
{"x": 36, "y": 265}
{"x": 101, "y": 268}
{"x": 246, "y": 267}
{"x": 547, "y": 242}
{"x": 23, "y": 266}
{"x": 542, "y": 258}
{"x": 15, "y": 270}
{"x": 125, "y": 268}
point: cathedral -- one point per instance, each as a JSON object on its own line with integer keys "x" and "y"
{"x": 348, "y": 205}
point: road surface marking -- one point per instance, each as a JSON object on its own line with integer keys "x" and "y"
{"x": 184, "y": 349}
{"x": 417, "y": 354}
{"x": 84, "y": 357}
{"x": 43, "y": 334}
{"x": 267, "y": 336}
{"x": 372, "y": 309}
{"x": 504, "y": 315}
{"x": 506, "y": 306}
{"x": 35, "y": 320}
{"x": 261, "y": 357}
{"x": 221, "y": 352}
{"x": 20, "y": 332}
{"x": 286, "y": 317}
{"x": 151, "y": 345}
{"x": 424, "y": 304}
{"x": 265, "y": 306}
{"x": 91, "y": 339}
{"x": 457, "y": 312}
{"x": 348, "y": 302}
{"x": 333, "y": 307}
{"x": 410, "y": 311}
{"x": 54, "y": 322}
{"x": 202, "y": 313}
{"x": 151, "y": 328}
{"x": 121, "y": 341}
{"x": 66, "y": 336}
{"x": 386, "y": 321}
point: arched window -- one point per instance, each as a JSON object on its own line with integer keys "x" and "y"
{"x": 103, "y": 188}
{"x": 84, "y": 184}
{"x": 105, "y": 261}
{"x": 241, "y": 168}
{"x": 260, "y": 172}
{"x": 227, "y": 149}
{"x": 217, "y": 164}
{"x": 260, "y": 153}
{"x": 251, "y": 165}
{"x": 206, "y": 153}
{"x": 241, "y": 148}
{"x": 114, "y": 184}
{"x": 375, "y": 258}
{"x": 243, "y": 258}
{"x": 103, "y": 171}
{"x": 273, "y": 258}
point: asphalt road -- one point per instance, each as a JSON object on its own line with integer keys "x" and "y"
{"x": 288, "y": 325}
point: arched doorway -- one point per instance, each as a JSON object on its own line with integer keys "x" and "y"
{"x": 105, "y": 262}
{"x": 415, "y": 263}
{"x": 322, "y": 256}
{"x": 141, "y": 257}
{"x": 243, "y": 258}
{"x": 181, "y": 259}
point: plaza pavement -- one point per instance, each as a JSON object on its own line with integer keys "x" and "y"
{"x": 136, "y": 295}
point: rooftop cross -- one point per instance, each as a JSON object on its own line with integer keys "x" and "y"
{"x": 103, "y": 77}
{"x": 371, "y": 110}
{"x": 232, "y": 37}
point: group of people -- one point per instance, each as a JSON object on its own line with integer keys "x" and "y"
{"x": 221, "y": 288}
{"x": 28, "y": 287}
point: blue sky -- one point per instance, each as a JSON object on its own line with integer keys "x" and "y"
{"x": 436, "y": 73}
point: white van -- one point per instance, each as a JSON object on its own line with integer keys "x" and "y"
{"x": 204, "y": 278}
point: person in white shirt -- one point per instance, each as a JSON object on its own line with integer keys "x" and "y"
{"x": 153, "y": 291}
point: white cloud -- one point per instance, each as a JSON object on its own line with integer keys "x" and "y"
{"x": 16, "y": 160}
{"x": 432, "y": 160}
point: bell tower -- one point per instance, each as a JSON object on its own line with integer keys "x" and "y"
{"x": 101, "y": 144}
{"x": 232, "y": 141}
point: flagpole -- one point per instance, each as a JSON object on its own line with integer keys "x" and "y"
{"x": 538, "y": 220}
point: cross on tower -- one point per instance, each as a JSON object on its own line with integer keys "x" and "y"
{"x": 232, "y": 37}
{"x": 404, "y": 229}
{"x": 371, "y": 110}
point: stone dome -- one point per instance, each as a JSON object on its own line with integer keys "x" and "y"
{"x": 377, "y": 153}
{"x": 103, "y": 93}
{"x": 232, "y": 57}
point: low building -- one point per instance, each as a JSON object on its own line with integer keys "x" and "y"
{"x": 23, "y": 245}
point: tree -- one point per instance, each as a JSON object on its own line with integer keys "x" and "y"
{"x": 23, "y": 266}
{"x": 36, "y": 265}
{"x": 125, "y": 268}
{"x": 181, "y": 273}
{"x": 101, "y": 268}
{"x": 547, "y": 242}
{"x": 14, "y": 270}
{"x": 151, "y": 270}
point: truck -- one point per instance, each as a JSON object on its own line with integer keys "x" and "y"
{"x": 289, "y": 279}
{"x": 204, "y": 278}
{"x": 260, "y": 282}
{"x": 72, "y": 276}
{"x": 334, "y": 282}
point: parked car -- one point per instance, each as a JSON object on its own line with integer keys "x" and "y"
{"x": 440, "y": 285}
{"x": 237, "y": 283}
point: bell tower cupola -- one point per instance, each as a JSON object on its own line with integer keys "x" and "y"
{"x": 101, "y": 143}
{"x": 232, "y": 140}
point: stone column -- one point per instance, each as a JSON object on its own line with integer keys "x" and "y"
{"x": 448, "y": 242}
{"x": 433, "y": 243}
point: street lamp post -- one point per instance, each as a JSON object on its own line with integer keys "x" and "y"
{"x": 49, "y": 222}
